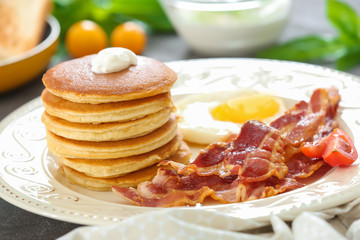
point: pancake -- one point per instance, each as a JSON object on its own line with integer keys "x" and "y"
{"x": 65, "y": 147}
{"x": 128, "y": 180}
{"x": 101, "y": 113}
{"x": 105, "y": 168}
{"x": 106, "y": 131}
{"x": 73, "y": 80}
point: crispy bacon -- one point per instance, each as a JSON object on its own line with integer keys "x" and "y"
{"x": 301, "y": 166}
{"x": 261, "y": 161}
{"x": 303, "y": 121}
{"x": 192, "y": 189}
{"x": 257, "y": 145}
{"x": 175, "y": 198}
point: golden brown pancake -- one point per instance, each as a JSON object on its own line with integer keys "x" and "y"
{"x": 128, "y": 180}
{"x": 101, "y": 113}
{"x": 111, "y": 129}
{"x": 108, "y": 168}
{"x": 73, "y": 80}
{"x": 65, "y": 147}
{"x": 106, "y": 131}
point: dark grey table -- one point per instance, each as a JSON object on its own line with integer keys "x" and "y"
{"x": 307, "y": 17}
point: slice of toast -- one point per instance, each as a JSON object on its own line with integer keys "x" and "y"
{"x": 22, "y": 24}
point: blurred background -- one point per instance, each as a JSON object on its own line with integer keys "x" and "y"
{"x": 199, "y": 28}
{"x": 195, "y": 28}
{"x": 217, "y": 28}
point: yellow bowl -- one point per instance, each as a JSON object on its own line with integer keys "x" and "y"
{"x": 20, "y": 69}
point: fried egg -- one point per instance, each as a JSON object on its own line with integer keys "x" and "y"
{"x": 207, "y": 118}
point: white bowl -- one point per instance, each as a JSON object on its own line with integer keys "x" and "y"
{"x": 228, "y": 27}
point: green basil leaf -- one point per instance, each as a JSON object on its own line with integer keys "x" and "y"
{"x": 345, "y": 19}
{"x": 148, "y": 11}
{"x": 68, "y": 12}
{"x": 305, "y": 49}
{"x": 349, "y": 60}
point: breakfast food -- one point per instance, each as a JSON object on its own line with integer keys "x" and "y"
{"x": 112, "y": 149}
{"x": 208, "y": 117}
{"x": 121, "y": 111}
{"x": 75, "y": 81}
{"x": 22, "y": 24}
{"x": 262, "y": 161}
{"x": 120, "y": 166}
{"x": 111, "y": 123}
{"x": 107, "y": 131}
{"x": 125, "y": 180}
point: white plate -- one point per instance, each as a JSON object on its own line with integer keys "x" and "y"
{"x": 29, "y": 178}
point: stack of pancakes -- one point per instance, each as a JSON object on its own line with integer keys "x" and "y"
{"x": 111, "y": 129}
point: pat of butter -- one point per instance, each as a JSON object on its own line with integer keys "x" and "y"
{"x": 113, "y": 59}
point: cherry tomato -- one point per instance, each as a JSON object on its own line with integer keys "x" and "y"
{"x": 129, "y": 35}
{"x": 336, "y": 149}
{"x": 340, "y": 149}
{"x": 84, "y": 38}
{"x": 314, "y": 149}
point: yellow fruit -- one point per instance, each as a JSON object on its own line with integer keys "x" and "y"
{"x": 84, "y": 38}
{"x": 129, "y": 35}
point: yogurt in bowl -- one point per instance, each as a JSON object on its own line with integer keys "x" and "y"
{"x": 228, "y": 27}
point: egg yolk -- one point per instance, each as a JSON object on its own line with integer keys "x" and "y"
{"x": 242, "y": 109}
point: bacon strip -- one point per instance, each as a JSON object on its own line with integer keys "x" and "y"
{"x": 192, "y": 189}
{"x": 261, "y": 161}
{"x": 257, "y": 145}
{"x": 303, "y": 121}
{"x": 301, "y": 166}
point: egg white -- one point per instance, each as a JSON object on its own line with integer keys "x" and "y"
{"x": 198, "y": 126}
